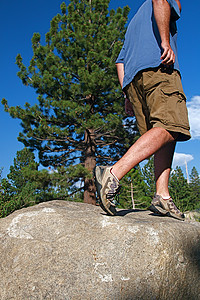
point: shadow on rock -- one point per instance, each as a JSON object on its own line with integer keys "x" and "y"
{"x": 194, "y": 256}
{"x": 124, "y": 212}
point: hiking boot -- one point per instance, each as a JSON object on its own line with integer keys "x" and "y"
{"x": 165, "y": 207}
{"x": 107, "y": 187}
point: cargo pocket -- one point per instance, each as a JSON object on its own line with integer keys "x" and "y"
{"x": 176, "y": 111}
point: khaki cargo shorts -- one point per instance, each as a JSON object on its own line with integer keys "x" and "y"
{"x": 159, "y": 101}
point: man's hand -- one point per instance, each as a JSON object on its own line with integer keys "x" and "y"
{"x": 129, "y": 108}
{"x": 168, "y": 56}
{"x": 128, "y": 104}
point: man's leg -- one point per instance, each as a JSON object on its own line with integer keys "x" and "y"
{"x": 107, "y": 179}
{"x": 162, "y": 202}
{"x": 149, "y": 143}
{"x": 162, "y": 163}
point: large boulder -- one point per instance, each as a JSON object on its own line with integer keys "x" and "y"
{"x": 69, "y": 251}
{"x": 193, "y": 215}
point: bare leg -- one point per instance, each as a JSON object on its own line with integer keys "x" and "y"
{"x": 145, "y": 146}
{"x": 162, "y": 163}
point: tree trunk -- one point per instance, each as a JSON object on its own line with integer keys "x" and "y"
{"x": 90, "y": 163}
{"x": 132, "y": 197}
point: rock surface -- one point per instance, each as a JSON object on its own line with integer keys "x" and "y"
{"x": 193, "y": 215}
{"x": 69, "y": 251}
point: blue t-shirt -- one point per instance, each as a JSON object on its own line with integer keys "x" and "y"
{"x": 142, "y": 45}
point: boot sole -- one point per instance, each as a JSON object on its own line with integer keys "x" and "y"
{"x": 159, "y": 210}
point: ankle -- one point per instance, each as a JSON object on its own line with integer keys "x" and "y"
{"x": 111, "y": 171}
{"x": 164, "y": 196}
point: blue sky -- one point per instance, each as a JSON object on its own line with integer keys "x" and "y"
{"x": 20, "y": 19}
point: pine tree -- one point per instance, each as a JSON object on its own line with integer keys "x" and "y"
{"x": 79, "y": 120}
{"x": 179, "y": 189}
{"x": 24, "y": 185}
{"x": 134, "y": 190}
{"x": 195, "y": 188}
{"x": 23, "y": 164}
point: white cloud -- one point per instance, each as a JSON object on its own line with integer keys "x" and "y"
{"x": 180, "y": 159}
{"x": 194, "y": 116}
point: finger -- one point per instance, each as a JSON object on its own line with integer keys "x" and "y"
{"x": 168, "y": 56}
{"x": 164, "y": 54}
{"x": 170, "y": 59}
{"x": 167, "y": 59}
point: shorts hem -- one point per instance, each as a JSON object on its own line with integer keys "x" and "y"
{"x": 184, "y": 134}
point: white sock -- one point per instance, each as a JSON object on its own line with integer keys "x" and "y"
{"x": 166, "y": 198}
{"x": 114, "y": 175}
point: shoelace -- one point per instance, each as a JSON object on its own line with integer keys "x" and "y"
{"x": 114, "y": 197}
{"x": 174, "y": 206}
